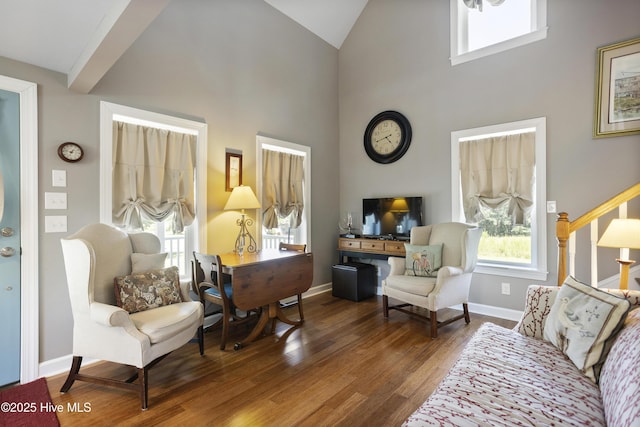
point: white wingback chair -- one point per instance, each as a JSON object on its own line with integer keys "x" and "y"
{"x": 93, "y": 257}
{"x": 451, "y": 285}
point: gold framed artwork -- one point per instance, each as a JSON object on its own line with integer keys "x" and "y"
{"x": 617, "y": 106}
{"x": 233, "y": 171}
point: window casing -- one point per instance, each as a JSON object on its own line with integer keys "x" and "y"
{"x": 179, "y": 247}
{"x": 534, "y": 264}
{"x": 512, "y": 24}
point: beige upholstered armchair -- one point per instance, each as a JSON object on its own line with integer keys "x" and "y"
{"x": 436, "y": 272}
{"x": 159, "y": 317}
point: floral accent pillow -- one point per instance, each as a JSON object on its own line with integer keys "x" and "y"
{"x": 147, "y": 290}
{"x": 422, "y": 261}
{"x": 146, "y": 262}
{"x": 581, "y": 321}
{"x": 539, "y": 301}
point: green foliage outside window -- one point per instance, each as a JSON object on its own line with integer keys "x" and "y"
{"x": 502, "y": 240}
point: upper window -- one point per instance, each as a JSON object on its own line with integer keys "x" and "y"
{"x": 498, "y": 182}
{"x": 484, "y": 27}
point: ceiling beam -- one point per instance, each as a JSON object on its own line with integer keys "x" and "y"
{"x": 121, "y": 26}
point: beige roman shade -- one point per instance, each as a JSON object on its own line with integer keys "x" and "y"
{"x": 153, "y": 175}
{"x": 283, "y": 178}
{"x": 498, "y": 170}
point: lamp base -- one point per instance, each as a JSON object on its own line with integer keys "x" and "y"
{"x": 624, "y": 272}
{"x": 244, "y": 236}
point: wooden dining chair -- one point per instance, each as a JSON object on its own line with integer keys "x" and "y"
{"x": 213, "y": 286}
{"x": 295, "y": 248}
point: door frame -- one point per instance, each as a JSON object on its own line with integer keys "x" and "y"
{"x": 29, "y": 273}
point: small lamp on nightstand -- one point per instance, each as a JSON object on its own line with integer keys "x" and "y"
{"x": 623, "y": 233}
{"x": 242, "y": 198}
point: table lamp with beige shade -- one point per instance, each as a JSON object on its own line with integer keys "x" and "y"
{"x": 622, "y": 233}
{"x": 241, "y": 198}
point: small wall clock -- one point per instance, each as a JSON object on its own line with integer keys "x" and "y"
{"x": 70, "y": 152}
{"x": 387, "y": 137}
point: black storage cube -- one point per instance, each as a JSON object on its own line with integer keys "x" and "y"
{"x": 354, "y": 281}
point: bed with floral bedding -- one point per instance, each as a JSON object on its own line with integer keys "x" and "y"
{"x": 572, "y": 360}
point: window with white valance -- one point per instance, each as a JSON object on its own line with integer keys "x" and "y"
{"x": 153, "y": 176}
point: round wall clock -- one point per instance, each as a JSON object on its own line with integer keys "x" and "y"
{"x": 387, "y": 137}
{"x": 70, "y": 152}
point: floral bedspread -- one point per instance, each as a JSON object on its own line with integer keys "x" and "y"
{"x": 506, "y": 379}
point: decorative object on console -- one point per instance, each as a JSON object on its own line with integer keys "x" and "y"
{"x": 387, "y": 137}
{"x": 70, "y": 152}
{"x": 346, "y": 226}
{"x": 617, "y": 109}
{"x": 623, "y": 233}
{"x": 241, "y": 198}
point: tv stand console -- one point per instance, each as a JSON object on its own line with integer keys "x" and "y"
{"x": 369, "y": 248}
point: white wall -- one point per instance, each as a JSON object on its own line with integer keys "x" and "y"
{"x": 397, "y": 57}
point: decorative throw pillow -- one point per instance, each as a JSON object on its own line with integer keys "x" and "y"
{"x": 581, "y": 321}
{"x": 147, "y": 262}
{"x": 147, "y": 290}
{"x": 423, "y": 261}
{"x": 538, "y": 304}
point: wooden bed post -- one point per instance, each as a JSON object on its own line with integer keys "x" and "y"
{"x": 562, "y": 234}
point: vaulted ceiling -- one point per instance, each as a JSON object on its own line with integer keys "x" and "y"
{"x": 84, "y": 38}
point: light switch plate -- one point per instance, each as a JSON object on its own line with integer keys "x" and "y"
{"x": 55, "y": 200}
{"x": 55, "y": 224}
{"x": 551, "y": 206}
{"x": 58, "y": 178}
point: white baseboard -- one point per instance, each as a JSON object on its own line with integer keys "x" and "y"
{"x": 61, "y": 365}
{"x": 318, "y": 289}
{"x": 499, "y": 312}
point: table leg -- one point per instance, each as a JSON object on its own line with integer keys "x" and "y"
{"x": 279, "y": 314}
{"x": 272, "y": 311}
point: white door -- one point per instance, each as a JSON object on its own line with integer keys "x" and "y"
{"x": 9, "y": 237}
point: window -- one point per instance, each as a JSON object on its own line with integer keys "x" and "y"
{"x": 478, "y": 28}
{"x": 286, "y": 231}
{"x": 513, "y": 218}
{"x": 179, "y": 246}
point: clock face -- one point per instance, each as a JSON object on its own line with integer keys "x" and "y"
{"x": 387, "y": 137}
{"x": 70, "y": 152}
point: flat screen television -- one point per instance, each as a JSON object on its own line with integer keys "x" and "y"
{"x": 391, "y": 217}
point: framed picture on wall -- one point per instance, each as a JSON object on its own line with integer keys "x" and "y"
{"x": 617, "y": 106}
{"x": 233, "y": 171}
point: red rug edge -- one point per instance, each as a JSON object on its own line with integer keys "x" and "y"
{"x": 28, "y": 404}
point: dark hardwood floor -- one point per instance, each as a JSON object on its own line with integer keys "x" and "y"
{"x": 346, "y": 366}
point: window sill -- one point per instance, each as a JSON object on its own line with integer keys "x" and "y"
{"x": 522, "y": 40}
{"x": 512, "y": 271}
